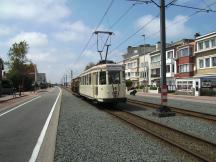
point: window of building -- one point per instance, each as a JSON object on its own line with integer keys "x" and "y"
{"x": 185, "y": 68}
{"x": 184, "y": 52}
{"x": 135, "y": 51}
{"x": 207, "y": 62}
{"x": 170, "y": 54}
{"x": 168, "y": 68}
{"x": 200, "y": 45}
{"x": 173, "y": 68}
{"x": 128, "y": 74}
{"x": 213, "y": 43}
{"x": 184, "y": 85}
{"x": 155, "y": 72}
{"x": 155, "y": 58}
{"x": 207, "y": 44}
{"x": 102, "y": 77}
{"x": 201, "y": 64}
{"x": 213, "y": 61}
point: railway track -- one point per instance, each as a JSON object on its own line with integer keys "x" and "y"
{"x": 199, "y": 148}
{"x": 196, "y": 114}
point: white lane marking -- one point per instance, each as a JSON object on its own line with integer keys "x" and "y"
{"x": 19, "y": 106}
{"x": 43, "y": 132}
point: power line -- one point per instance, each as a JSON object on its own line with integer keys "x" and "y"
{"x": 152, "y": 34}
{"x": 172, "y": 2}
{"x": 107, "y": 10}
{"x": 91, "y": 36}
{"x": 122, "y": 16}
{"x": 120, "y": 44}
{"x": 195, "y": 8}
{"x": 98, "y": 25}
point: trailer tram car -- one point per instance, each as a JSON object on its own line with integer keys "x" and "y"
{"x": 103, "y": 83}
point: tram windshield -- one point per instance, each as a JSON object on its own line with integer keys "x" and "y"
{"x": 114, "y": 77}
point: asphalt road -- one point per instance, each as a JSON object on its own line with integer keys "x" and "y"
{"x": 21, "y": 127}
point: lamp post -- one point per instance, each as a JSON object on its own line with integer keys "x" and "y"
{"x": 144, "y": 67}
{"x": 35, "y": 73}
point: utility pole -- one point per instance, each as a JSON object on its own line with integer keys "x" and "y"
{"x": 163, "y": 54}
{"x": 163, "y": 109}
{"x": 66, "y": 80}
{"x": 71, "y": 74}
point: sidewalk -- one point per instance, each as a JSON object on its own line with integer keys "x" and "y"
{"x": 5, "y": 98}
{"x": 202, "y": 99}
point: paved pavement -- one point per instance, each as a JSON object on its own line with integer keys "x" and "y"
{"x": 205, "y": 104}
{"x": 5, "y": 98}
{"x": 202, "y": 99}
{"x": 20, "y": 127}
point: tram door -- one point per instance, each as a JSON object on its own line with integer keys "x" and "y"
{"x": 95, "y": 84}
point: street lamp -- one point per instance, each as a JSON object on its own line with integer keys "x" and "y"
{"x": 145, "y": 77}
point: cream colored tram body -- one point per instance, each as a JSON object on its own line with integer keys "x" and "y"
{"x": 103, "y": 83}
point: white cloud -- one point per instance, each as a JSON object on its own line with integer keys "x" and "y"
{"x": 76, "y": 31}
{"x": 175, "y": 28}
{"x": 34, "y": 39}
{"x": 34, "y": 10}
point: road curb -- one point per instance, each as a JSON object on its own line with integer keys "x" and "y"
{"x": 47, "y": 150}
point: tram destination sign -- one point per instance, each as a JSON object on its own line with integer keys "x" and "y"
{"x": 114, "y": 68}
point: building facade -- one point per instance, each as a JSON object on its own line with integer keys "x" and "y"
{"x": 137, "y": 65}
{"x": 185, "y": 63}
{"x": 205, "y": 74}
{"x": 190, "y": 65}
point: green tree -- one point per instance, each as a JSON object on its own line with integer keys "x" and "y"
{"x": 129, "y": 83}
{"x": 17, "y": 63}
{"x": 91, "y": 64}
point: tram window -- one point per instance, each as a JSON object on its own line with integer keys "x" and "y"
{"x": 86, "y": 79}
{"x": 96, "y": 78}
{"x": 102, "y": 77}
{"x": 123, "y": 75}
{"x": 114, "y": 77}
{"x": 89, "y": 79}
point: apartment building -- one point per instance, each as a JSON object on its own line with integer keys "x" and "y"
{"x": 171, "y": 68}
{"x": 136, "y": 62}
{"x": 205, "y": 55}
{"x": 132, "y": 69}
{"x": 185, "y": 64}
{"x": 190, "y": 65}
{"x": 155, "y": 64}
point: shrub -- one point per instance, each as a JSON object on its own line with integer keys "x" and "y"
{"x": 6, "y": 84}
{"x": 153, "y": 88}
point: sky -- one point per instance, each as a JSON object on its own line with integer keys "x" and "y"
{"x": 59, "y": 32}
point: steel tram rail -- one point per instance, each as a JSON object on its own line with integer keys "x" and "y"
{"x": 199, "y": 148}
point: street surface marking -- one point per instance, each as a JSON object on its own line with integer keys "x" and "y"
{"x": 43, "y": 132}
{"x": 19, "y": 106}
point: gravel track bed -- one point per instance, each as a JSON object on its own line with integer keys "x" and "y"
{"x": 88, "y": 134}
{"x": 188, "y": 105}
{"x": 193, "y": 126}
